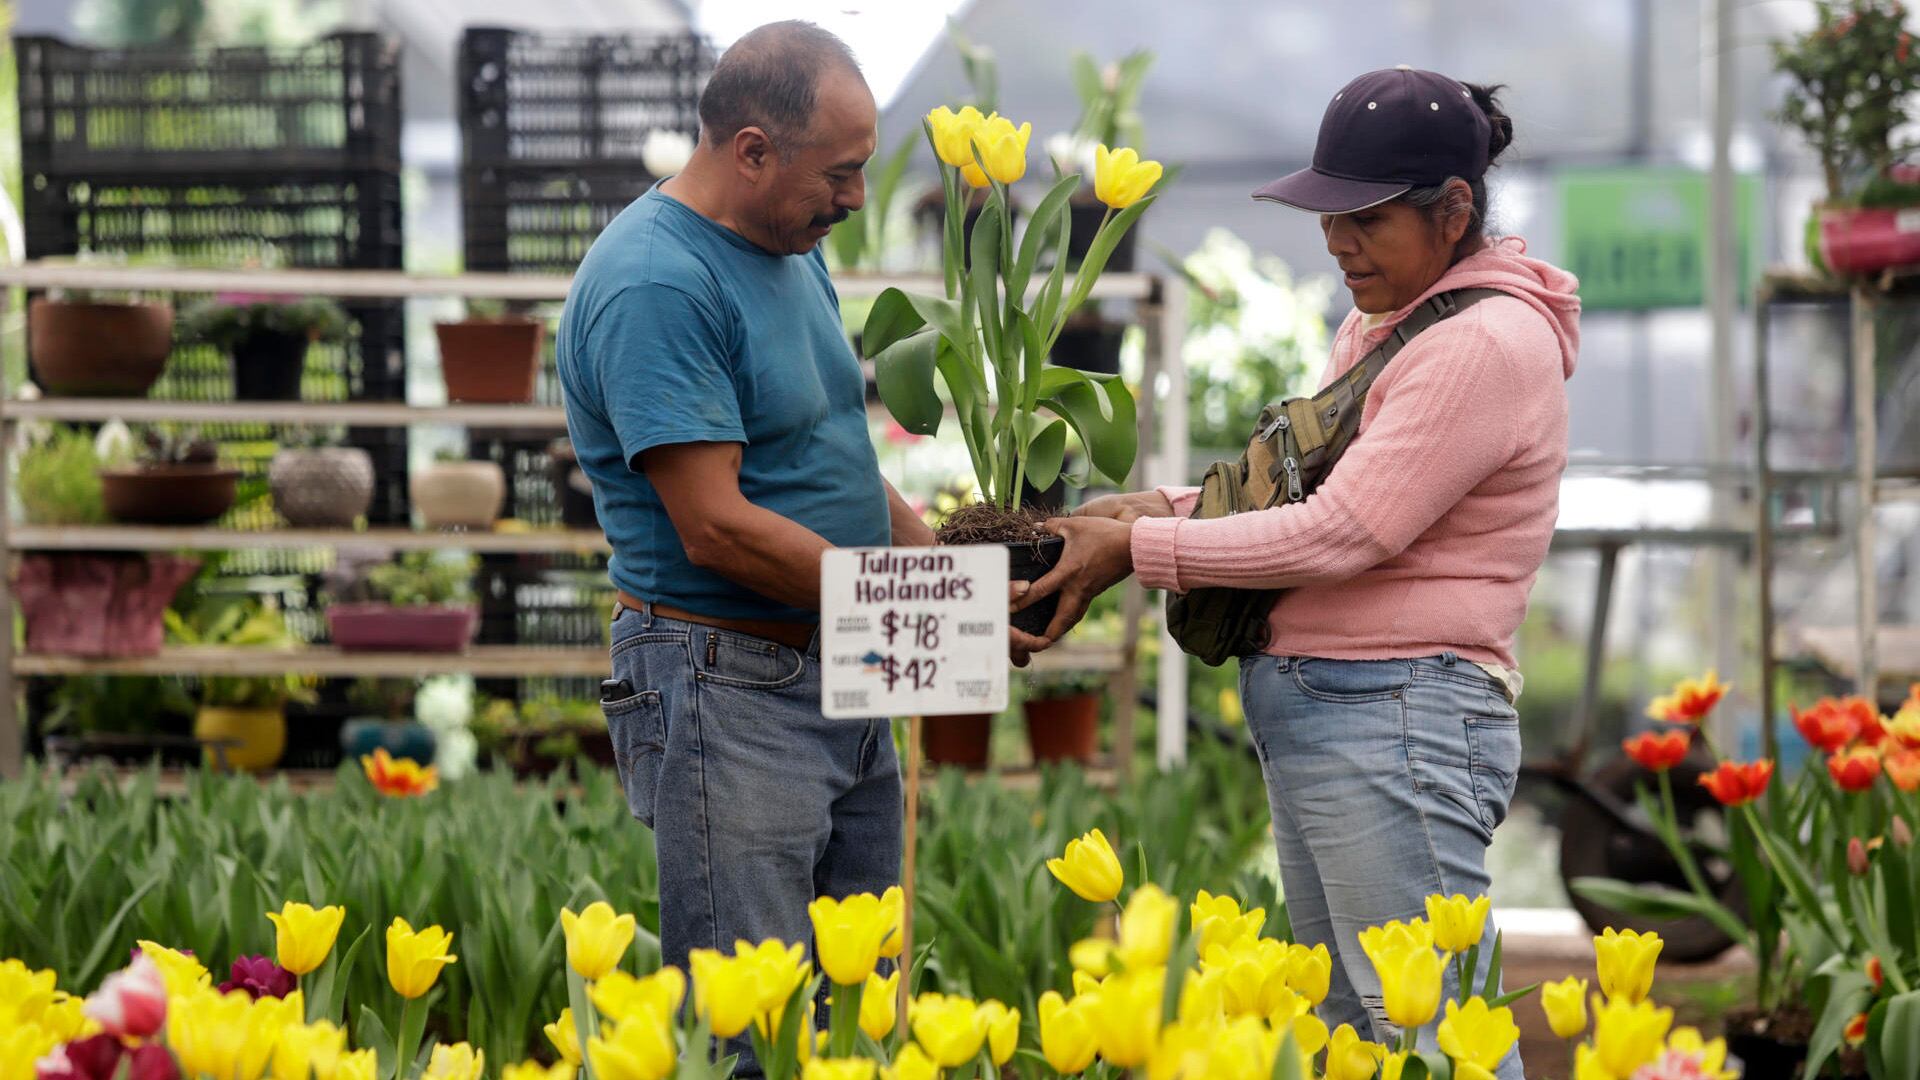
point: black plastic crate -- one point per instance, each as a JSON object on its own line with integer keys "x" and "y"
{"x": 542, "y": 218}
{"x": 575, "y": 99}
{"x": 330, "y": 105}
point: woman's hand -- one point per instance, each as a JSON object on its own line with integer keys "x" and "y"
{"x": 1127, "y": 507}
{"x": 1098, "y": 555}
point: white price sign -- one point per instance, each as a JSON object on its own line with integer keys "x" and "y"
{"x": 913, "y": 631}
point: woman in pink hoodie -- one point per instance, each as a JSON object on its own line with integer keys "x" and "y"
{"x": 1382, "y": 705}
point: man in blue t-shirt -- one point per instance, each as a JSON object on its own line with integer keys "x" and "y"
{"x": 716, "y": 407}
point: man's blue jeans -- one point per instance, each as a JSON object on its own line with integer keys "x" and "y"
{"x": 1387, "y": 779}
{"x": 758, "y": 803}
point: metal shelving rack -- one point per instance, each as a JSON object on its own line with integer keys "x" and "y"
{"x": 1159, "y": 307}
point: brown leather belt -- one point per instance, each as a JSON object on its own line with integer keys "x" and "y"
{"x": 792, "y": 635}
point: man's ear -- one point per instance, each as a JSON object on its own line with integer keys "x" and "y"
{"x": 752, "y": 153}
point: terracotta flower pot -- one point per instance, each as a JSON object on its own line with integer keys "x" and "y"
{"x": 98, "y": 605}
{"x": 1857, "y": 241}
{"x": 961, "y": 741}
{"x": 437, "y": 628}
{"x": 98, "y": 350}
{"x": 491, "y": 360}
{"x": 168, "y": 494}
{"x": 260, "y": 731}
{"x": 466, "y": 494}
{"x": 1064, "y": 728}
{"x": 328, "y": 487}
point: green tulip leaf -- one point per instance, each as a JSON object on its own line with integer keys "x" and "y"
{"x": 1100, "y": 251}
{"x": 904, "y": 376}
{"x": 1046, "y": 449}
{"x": 1101, "y": 412}
{"x": 1039, "y": 230}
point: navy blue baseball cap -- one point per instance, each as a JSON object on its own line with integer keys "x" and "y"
{"x": 1385, "y": 134}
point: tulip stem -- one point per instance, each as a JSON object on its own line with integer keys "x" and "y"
{"x": 402, "y": 1053}
{"x": 1678, "y": 840}
{"x": 585, "y": 1023}
{"x": 843, "y": 1025}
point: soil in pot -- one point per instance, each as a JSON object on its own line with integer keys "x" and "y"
{"x": 1086, "y": 215}
{"x": 491, "y": 360}
{"x": 1031, "y": 551}
{"x": 1064, "y": 728}
{"x": 268, "y": 364}
{"x": 325, "y": 488}
{"x": 260, "y": 732}
{"x": 98, "y": 350}
{"x": 187, "y": 494}
{"x": 1772, "y": 1046}
{"x": 958, "y": 741}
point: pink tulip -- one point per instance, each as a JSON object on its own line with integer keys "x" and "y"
{"x": 130, "y": 1002}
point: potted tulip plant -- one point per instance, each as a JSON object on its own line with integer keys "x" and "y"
{"x": 987, "y": 338}
{"x": 267, "y": 337}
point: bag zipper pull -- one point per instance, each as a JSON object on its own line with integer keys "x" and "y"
{"x": 1279, "y": 424}
{"x": 1294, "y": 493}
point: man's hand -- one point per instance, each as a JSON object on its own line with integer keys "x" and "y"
{"x": 1127, "y": 507}
{"x": 1021, "y": 645}
{"x": 1098, "y": 555}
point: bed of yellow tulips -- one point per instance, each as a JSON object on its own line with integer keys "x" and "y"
{"x": 1168, "y": 989}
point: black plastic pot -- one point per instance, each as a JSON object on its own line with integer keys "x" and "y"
{"x": 1086, "y": 225}
{"x": 1030, "y": 562}
{"x": 1091, "y": 346}
{"x": 267, "y": 366}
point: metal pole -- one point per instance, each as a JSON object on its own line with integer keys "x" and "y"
{"x": 1723, "y": 269}
{"x": 911, "y": 843}
{"x": 1865, "y": 439}
{"x": 1763, "y": 527}
{"x": 1171, "y": 741}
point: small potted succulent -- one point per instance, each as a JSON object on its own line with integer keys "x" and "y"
{"x": 455, "y": 492}
{"x": 248, "y": 712}
{"x": 1063, "y": 715}
{"x": 421, "y": 602}
{"x": 98, "y": 346}
{"x": 321, "y": 486}
{"x": 491, "y": 356}
{"x": 177, "y": 480}
{"x": 383, "y": 719}
{"x": 267, "y": 337}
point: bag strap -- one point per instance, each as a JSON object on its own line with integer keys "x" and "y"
{"x": 1360, "y": 379}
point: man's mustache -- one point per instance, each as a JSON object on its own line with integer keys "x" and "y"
{"x": 828, "y": 221}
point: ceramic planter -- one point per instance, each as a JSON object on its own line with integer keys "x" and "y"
{"x": 459, "y": 494}
{"x": 1064, "y": 728}
{"x": 98, "y": 350}
{"x": 98, "y": 605}
{"x": 435, "y": 628}
{"x": 1866, "y": 241}
{"x": 324, "y": 488}
{"x": 491, "y": 360}
{"x": 168, "y": 494}
{"x": 261, "y": 734}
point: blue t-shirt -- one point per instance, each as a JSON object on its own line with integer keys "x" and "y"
{"x": 679, "y": 330}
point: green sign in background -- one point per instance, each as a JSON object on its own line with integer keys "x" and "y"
{"x": 1639, "y": 238}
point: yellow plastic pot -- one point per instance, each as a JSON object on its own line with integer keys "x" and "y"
{"x": 261, "y": 733}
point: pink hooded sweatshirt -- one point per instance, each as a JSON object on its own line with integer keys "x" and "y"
{"x": 1427, "y": 535}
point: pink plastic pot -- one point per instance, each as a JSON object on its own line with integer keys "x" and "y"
{"x": 1868, "y": 241}
{"x": 386, "y": 628}
{"x": 98, "y": 605}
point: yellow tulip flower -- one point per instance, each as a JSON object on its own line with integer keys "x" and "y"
{"x": 726, "y": 991}
{"x": 1090, "y": 868}
{"x": 1396, "y": 936}
{"x": 415, "y": 958}
{"x": 879, "y": 1005}
{"x": 1587, "y": 1064}
{"x": 1097, "y": 957}
{"x": 1002, "y": 149}
{"x": 1473, "y": 1033}
{"x": 1565, "y": 1003}
{"x": 1126, "y": 1015}
{"x": 596, "y": 939}
{"x": 1066, "y": 1036}
{"x": 636, "y": 1049}
{"x": 1410, "y": 980}
{"x": 1003, "y": 1031}
{"x": 1219, "y": 921}
{"x": 620, "y": 995}
{"x": 950, "y": 1029}
{"x": 1457, "y": 922}
{"x": 1309, "y": 972}
{"x": 1309, "y": 1031}
{"x": 1626, "y": 961}
{"x": 1203, "y": 996}
{"x": 780, "y": 971}
{"x": 1146, "y": 927}
{"x": 893, "y": 902}
{"x": 839, "y": 1069}
{"x": 533, "y": 1070}
{"x": 1120, "y": 178}
{"x": 308, "y": 1052}
{"x": 1349, "y": 1057}
{"x": 911, "y": 1063}
{"x": 303, "y": 937}
{"x": 456, "y": 1061}
{"x": 358, "y": 1065}
{"x": 564, "y": 1034}
{"x": 847, "y": 935}
{"x": 1627, "y": 1035}
{"x": 953, "y": 134}
{"x": 182, "y": 973}
{"x": 207, "y": 1031}
{"x": 1711, "y": 1056}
